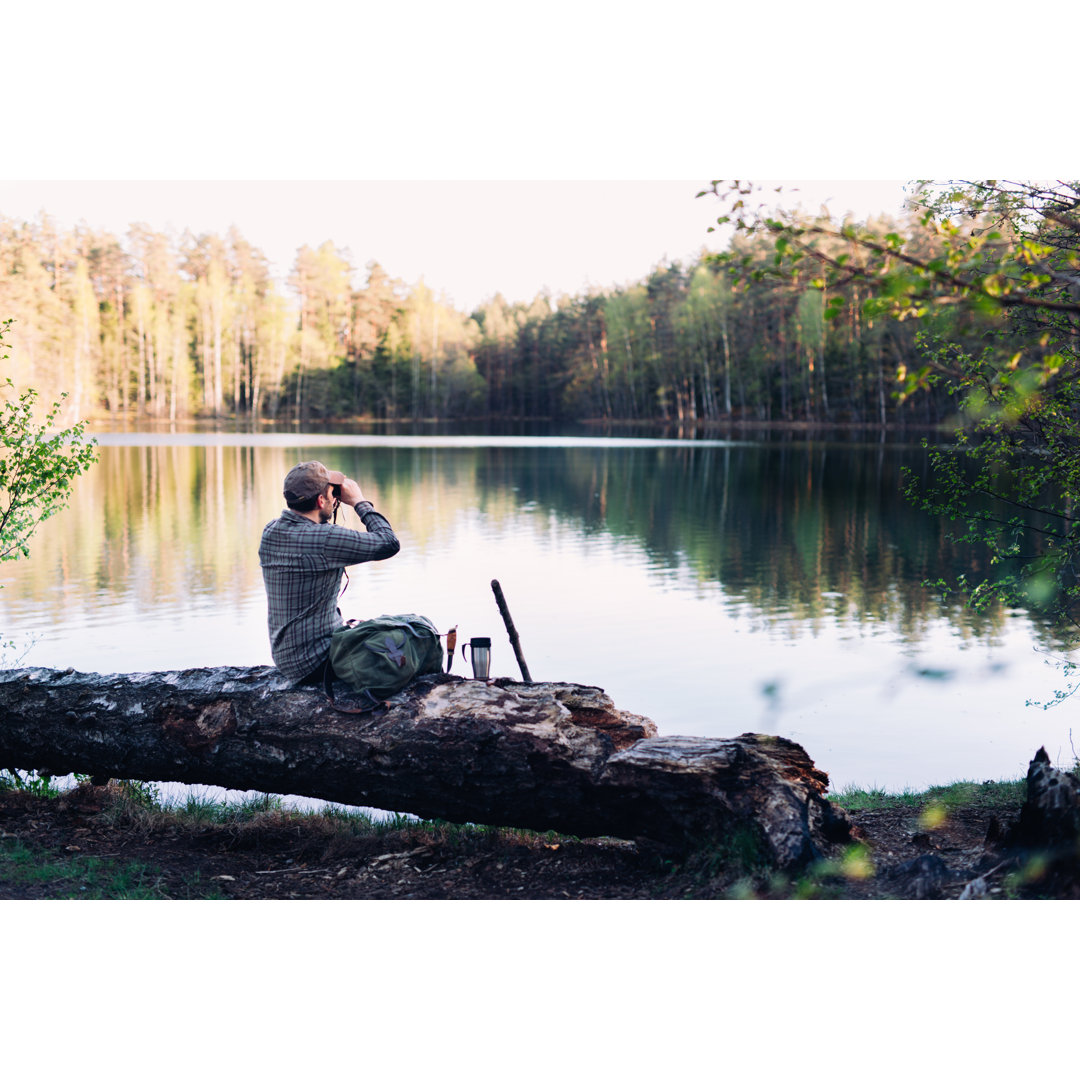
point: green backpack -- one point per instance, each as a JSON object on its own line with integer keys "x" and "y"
{"x": 380, "y": 656}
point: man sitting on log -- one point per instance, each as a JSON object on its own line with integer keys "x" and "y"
{"x": 303, "y": 557}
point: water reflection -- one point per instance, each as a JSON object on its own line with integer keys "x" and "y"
{"x": 718, "y": 587}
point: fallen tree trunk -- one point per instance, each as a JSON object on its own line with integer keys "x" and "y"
{"x": 539, "y": 756}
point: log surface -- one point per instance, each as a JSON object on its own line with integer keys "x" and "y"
{"x": 540, "y": 756}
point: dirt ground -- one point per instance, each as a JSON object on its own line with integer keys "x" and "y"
{"x": 92, "y": 835}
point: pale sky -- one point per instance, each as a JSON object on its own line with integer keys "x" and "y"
{"x": 468, "y": 238}
{"x": 483, "y": 146}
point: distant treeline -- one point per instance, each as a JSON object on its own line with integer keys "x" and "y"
{"x": 150, "y": 327}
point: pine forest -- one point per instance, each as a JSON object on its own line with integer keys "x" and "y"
{"x": 148, "y": 328}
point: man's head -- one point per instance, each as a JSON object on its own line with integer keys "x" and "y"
{"x": 306, "y": 483}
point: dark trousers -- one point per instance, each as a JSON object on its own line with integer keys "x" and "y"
{"x": 318, "y": 676}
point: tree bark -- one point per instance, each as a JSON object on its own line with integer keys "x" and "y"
{"x": 540, "y": 756}
{"x": 1040, "y": 850}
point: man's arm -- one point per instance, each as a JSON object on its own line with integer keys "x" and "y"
{"x": 377, "y": 526}
{"x": 379, "y": 542}
{"x": 342, "y": 546}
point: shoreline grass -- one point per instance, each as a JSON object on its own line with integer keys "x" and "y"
{"x": 978, "y": 794}
{"x": 138, "y": 802}
{"x": 70, "y": 875}
{"x": 134, "y": 809}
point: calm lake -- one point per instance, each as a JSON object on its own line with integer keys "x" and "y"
{"x": 717, "y": 587}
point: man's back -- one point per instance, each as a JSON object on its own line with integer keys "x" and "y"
{"x": 302, "y": 562}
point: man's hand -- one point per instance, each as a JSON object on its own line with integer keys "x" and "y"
{"x": 350, "y": 492}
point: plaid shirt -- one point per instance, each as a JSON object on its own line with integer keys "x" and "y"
{"x": 302, "y": 563}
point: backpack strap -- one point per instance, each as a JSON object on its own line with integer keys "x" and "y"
{"x": 328, "y": 689}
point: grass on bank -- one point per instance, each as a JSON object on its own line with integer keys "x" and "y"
{"x": 979, "y": 795}
{"x": 255, "y": 821}
{"x": 934, "y": 805}
{"x": 67, "y": 876}
{"x": 825, "y": 880}
{"x": 139, "y": 795}
{"x": 136, "y": 803}
{"x": 135, "y": 807}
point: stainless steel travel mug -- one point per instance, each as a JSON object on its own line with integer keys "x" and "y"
{"x": 479, "y": 656}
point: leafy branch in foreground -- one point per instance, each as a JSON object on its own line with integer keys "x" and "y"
{"x": 37, "y": 464}
{"x": 989, "y": 244}
{"x": 993, "y": 270}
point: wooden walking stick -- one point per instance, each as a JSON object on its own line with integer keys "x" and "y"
{"x": 504, "y": 611}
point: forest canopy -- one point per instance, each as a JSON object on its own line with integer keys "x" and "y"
{"x": 147, "y": 327}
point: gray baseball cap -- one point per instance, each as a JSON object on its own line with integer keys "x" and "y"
{"x": 307, "y": 479}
